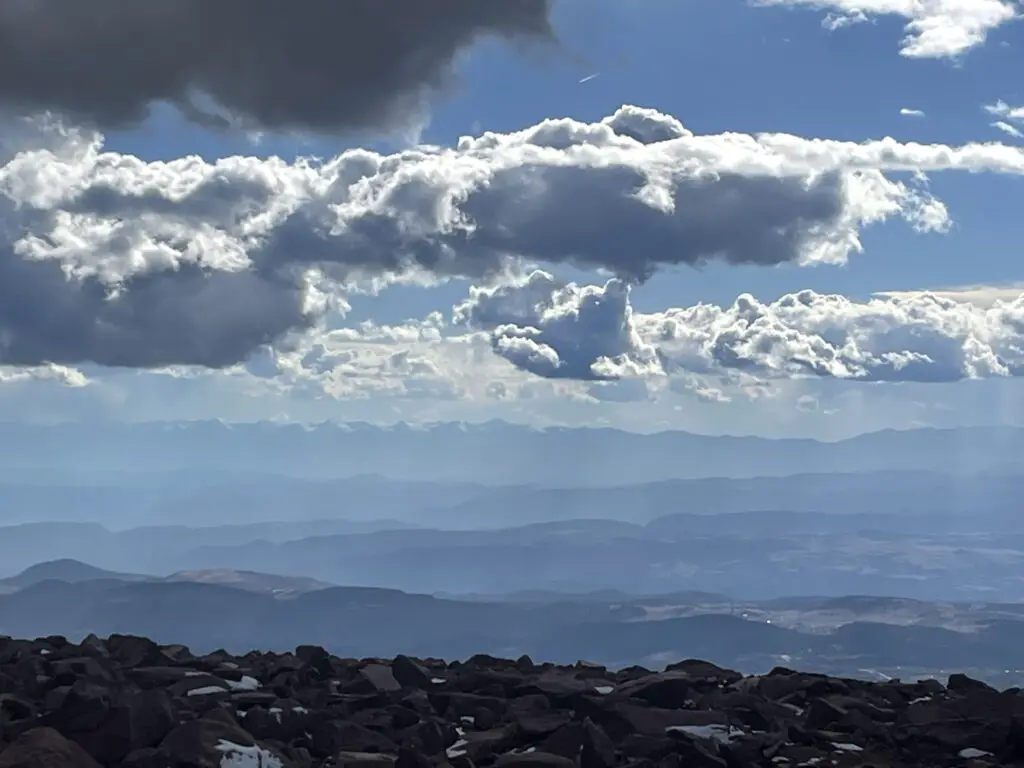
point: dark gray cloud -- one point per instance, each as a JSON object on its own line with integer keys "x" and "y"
{"x": 191, "y": 316}
{"x": 319, "y": 65}
{"x": 596, "y": 217}
{"x": 591, "y": 217}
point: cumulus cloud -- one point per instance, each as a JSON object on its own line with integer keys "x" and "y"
{"x": 934, "y": 28}
{"x": 909, "y": 338}
{"x": 352, "y": 65}
{"x": 556, "y": 329}
{"x": 68, "y": 377}
{"x": 984, "y": 296}
{"x": 591, "y": 332}
{"x": 108, "y": 259}
{"x": 414, "y": 360}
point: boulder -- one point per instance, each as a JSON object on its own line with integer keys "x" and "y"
{"x": 45, "y": 748}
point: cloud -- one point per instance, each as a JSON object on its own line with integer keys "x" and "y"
{"x": 1010, "y": 118}
{"x": 415, "y": 360}
{"x": 984, "y": 296}
{"x": 1004, "y": 110}
{"x": 902, "y": 338}
{"x": 334, "y": 66}
{"x": 906, "y": 112}
{"x": 591, "y": 332}
{"x": 68, "y": 377}
{"x": 556, "y": 329}
{"x": 1008, "y": 129}
{"x": 109, "y": 259}
{"x": 934, "y": 29}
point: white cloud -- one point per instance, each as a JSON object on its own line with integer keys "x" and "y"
{"x": 1009, "y": 116}
{"x": 589, "y": 332}
{"x": 62, "y": 374}
{"x": 1004, "y": 110}
{"x": 934, "y": 28}
{"x": 979, "y": 295}
{"x": 467, "y": 381}
{"x": 153, "y": 264}
{"x": 1008, "y": 129}
{"x": 907, "y": 112}
{"x": 910, "y": 337}
{"x": 834, "y": 21}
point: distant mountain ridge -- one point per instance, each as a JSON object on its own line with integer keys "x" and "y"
{"x": 933, "y": 537}
{"x": 861, "y": 636}
{"x": 66, "y": 570}
{"x": 70, "y": 571}
{"x": 490, "y": 453}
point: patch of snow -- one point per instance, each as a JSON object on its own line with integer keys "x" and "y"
{"x": 206, "y": 690}
{"x": 438, "y": 680}
{"x": 245, "y": 684}
{"x": 276, "y": 712}
{"x": 921, "y": 699}
{"x": 604, "y": 690}
{"x": 44, "y": 652}
{"x": 300, "y": 710}
{"x": 229, "y": 665}
{"x": 195, "y": 673}
{"x": 879, "y": 675}
{"x": 844, "y": 746}
{"x": 237, "y": 756}
{"x": 456, "y": 749}
{"x": 718, "y": 732}
{"x": 972, "y": 752}
{"x": 468, "y": 720}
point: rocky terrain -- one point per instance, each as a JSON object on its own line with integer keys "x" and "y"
{"x": 126, "y": 701}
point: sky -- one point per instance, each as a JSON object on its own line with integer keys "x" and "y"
{"x": 776, "y": 217}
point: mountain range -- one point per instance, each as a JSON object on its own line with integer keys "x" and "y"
{"x": 857, "y": 636}
{"x": 490, "y": 453}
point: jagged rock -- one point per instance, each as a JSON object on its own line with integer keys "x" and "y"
{"x": 533, "y": 760}
{"x": 127, "y": 702}
{"x": 410, "y": 673}
{"x": 137, "y": 721}
{"x": 205, "y": 743}
{"x": 328, "y": 737}
{"x": 363, "y": 760}
{"x": 379, "y": 678}
{"x": 45, "y": 748}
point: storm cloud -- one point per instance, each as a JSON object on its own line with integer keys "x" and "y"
{"x": 326, "y": 66}
{"x": 110, "y": 259}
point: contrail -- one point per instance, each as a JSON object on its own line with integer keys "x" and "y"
{"x": 588, "y": 78}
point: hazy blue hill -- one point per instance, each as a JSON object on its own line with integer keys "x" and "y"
{"x": 66, "y": 570}
{"x": 494, "y": 453}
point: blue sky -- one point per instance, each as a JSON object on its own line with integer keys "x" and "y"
{"x": 718, "y": 66}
